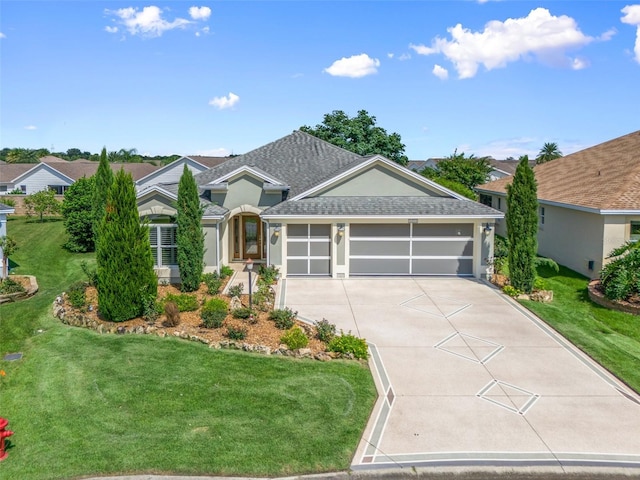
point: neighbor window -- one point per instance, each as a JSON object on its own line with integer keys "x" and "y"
{"x": 635, "y": 231}
{"x": 3, "y": 188}
{"x": 58, "y": 189}
{"x": 23, "y": 188}
{"x": 541, "y": 215}
{"x": 486, "y": 199}
{"x": 499, "y": 203}
{"x": 164, "y": 246}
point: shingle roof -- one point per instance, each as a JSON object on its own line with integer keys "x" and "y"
{"x": 5, "y": 208}
{"x": 382, "y": 206}
{"x": 209, "y": 208}
{"x": 299, "y": 160}
{"x": 208, "y": 161}
{"x": 603, "y": 177}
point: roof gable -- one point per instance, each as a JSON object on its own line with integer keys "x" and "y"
{"x": 603, "y": 177}
{"x": 176, "y": 164}
{"x": 43, "y": 166}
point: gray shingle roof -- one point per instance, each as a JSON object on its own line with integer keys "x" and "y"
{"x": 299, "y": 160}
{"x": 209, "y": 209}
{"x": 382, "y": 206}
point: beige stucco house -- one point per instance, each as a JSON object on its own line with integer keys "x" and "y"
{"x": 314, "y": 209}
{"x": 589, "y": 203}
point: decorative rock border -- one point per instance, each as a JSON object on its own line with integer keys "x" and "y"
{"x": 79, "y": 320}
{"x": 598, "y": 297}
{"x": 14, "y": 297}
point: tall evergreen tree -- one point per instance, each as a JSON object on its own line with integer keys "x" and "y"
{"x": 78, "y": 218}
{"x": 103, "y": 182}
{"x": 522, "y": 226}
{"x": 123, "y": 253}
{"x": 189, "y": 235}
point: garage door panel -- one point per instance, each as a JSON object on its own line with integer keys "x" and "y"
{"x": 380, "y": 247}
{"x": 297, "y": 266}
{"x": 297, "y": 231}
{"x": 320, "y": 231}
{"x": 442, "y": 266}
{"x": 379, "y": 266}
{"x": 297, "y": 249}
{"x": 319, "y": 267}
{"x": 444, "y": 248}
{"x": 443, "y": 230}
{"x": 378, "y": 230}
{"x": 320, "y": 249}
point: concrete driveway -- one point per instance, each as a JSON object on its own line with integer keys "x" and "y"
{"x": 468, "y": 377}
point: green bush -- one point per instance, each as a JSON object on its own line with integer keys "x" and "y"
{"x": 236, "y": 333}
{"x": 236, "y": 290}
{"x": 151, "y": 309}
{"x": 511, "y": 291}
{"x": 264, "y": 297}
{"x": 268, "y": 274}
{"x": 620, "y": 278}
{"x": 283, "y": 318}
{"x": 242, "y": 312}
{"x": 325, "y": 330}
{"x": 8, "y": 285}
{"x": 348, "y": 344}
{"x": 539, "y": 283}
{"x": 9, "y": 202}
{"x": 16, "y": 191}
{"x": 78, "y": 216}
{"x": 225, "y": 271}
{"x": 184, "y": 301}
{"x": 214, "y": 312}
{"x": 76, "y": 295}
{"x": 91, "y": 273}
{"x": 213, "y": 283}
{"x": 295, "y": 339}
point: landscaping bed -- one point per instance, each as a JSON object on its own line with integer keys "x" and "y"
{"x": 262, "y": 334}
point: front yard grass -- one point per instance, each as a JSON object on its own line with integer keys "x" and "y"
{"x": 84, "y": 404}
{"x": 611, "y": 338}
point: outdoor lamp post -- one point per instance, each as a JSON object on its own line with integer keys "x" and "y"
{"x": 249, "y": 265}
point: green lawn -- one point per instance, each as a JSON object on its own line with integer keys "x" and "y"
{"x": 611, "y": 338}
{"x": 84, "y": 404}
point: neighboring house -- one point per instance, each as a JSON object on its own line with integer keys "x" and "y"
{"x": 589, "y": 203}
{"x": 499, "y": 168}
{"x": 171, "y": 172}
{"x": 4, "y": 211}
{"x": 311, "y": 208}
{"x": 57, "y": 174}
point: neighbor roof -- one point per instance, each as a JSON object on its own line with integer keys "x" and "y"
{"x": 299, "y": 160}
{"x": 603, "y": 177}
{"x": 73, "y": 170}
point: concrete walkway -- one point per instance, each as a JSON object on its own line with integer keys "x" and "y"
{"x": 241, "y": 276}
{"x": 467, "y": 377}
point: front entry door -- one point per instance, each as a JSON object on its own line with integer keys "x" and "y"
{"x": 251, "y": 237}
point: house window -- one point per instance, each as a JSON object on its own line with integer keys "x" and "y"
{"x": 164, "y": 246}
{"x": 58, "y": 189}
{"x": 635, "y": 231}
{"x": 23, "y": 188}
{"x": 3, "y": 188}
{"x": 541, "y": 215}
{"x": 486, "y": 199}
{"x": 499, "y": 203}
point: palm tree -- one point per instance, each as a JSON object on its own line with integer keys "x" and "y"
{"x": 548, "y": 152}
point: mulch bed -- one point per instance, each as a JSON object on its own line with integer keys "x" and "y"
{"x": 262, "y": 332}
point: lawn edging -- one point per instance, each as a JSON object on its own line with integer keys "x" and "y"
{"x": 14, "y": 297}
{"x": 596, "y": 296}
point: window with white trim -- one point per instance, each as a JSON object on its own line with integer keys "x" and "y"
{"x": 635, "y": 232}
{"x": 164, "y": 246}
{"x": 541, "y": 215}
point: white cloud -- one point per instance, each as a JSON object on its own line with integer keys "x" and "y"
{"x": 214, "y": 152}
{"x": 355, "y": 66}
{"x": 540, "y": 35}
{"x": 632, "y": 17}
{"x": 608, "y": 35}
{"x": 224, "y": 102}
{"x": 579, "y": 63}
{"x": 200, "y": 13}
{"x": 389, "y": 55}
{"x": 30, "y": 127}
{"x": 440, "y": 72}
{"x": 404, "y": 56}
{"x": 147, "y": 22}
{"x": 203, "y": 31}
{"x": 2, "y": 35}
{"x": 111, "y": 29}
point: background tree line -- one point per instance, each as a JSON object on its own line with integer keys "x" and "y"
{"x": 124, "y": 155}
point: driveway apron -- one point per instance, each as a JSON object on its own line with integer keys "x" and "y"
{"x": 466, "y": 376}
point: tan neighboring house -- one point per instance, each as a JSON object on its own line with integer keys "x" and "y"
{"x": 589, "y": 203}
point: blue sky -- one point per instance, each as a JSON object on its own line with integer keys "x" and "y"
{"x": 493, "y": 78}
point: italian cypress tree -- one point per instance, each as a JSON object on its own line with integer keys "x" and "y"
{"x": 77, "y": 212}
{"x": 189, "y": 235}
{"x": 103, "y": 181}
{"x": 123, "y": 253}
{"x": 522, "y": 226}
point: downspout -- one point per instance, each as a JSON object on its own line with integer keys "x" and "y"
{"x": 266, "y": 238}
{"x": 218, "y": 247}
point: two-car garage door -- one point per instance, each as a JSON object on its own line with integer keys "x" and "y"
{"x": 308, "y": 249}
{"x": 411, "y": 249}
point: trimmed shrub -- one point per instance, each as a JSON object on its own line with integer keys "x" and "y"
{"x": 78, "y": 216}
{"x": 151, "y": 308}
{"x": 283, "y": 318}
{"x": 268, "y": 274}
{"x": 189, "y": 233}
{"x": 214, "y": 312}
{"x": 173, "y": 314}
{"x": 325, "y": 330}
{"x": 76, "y": 294}
{"x": 225, "y": 271}
{"x": 348, "y": 344}
{"x": 236, "y": 290}
{"x": 242, "y": 312}
{"x": 264, "y": 297}
{"x": 236, "y": 333}
{"x": 511, "y": 291}
{"x": 213, "y": 283}
{"x": 91, "y": 273}
{"x": 620, "y": 278}
{"x": 184, "y": 301}
{"x": 295, "y": 338}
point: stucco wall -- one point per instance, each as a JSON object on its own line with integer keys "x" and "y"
{"x": 210, "y": 247}
{"x": 156, "y": 204}
{"x": 245, "y": 190}
{"x": 378, "y": 181}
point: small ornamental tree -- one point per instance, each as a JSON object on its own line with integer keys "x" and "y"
{"x": 103, "y": 181}
{"x": 77, "y": 213}
{"x": 8, "y": 247}
{"x": 189, "y": 234}
{"x": 522, "y": 226}
{"x": 123, "y": 253}
{"x": 41, "y": 203}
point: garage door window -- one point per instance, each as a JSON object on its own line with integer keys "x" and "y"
{"x": 308, "y": 249}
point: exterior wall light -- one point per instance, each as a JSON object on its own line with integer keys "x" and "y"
{"x": 341, "y": 229}
{"x": 487, "y": 227}
{"x": 276, "y": 231}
